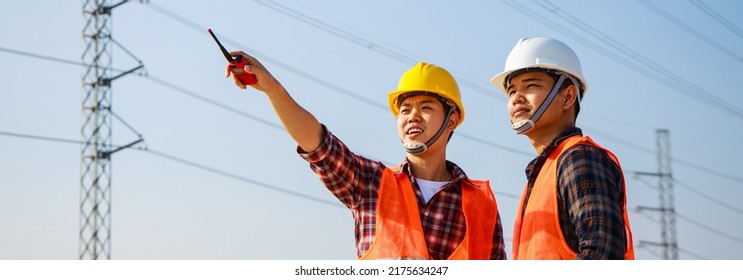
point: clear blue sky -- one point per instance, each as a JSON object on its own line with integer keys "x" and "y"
{"x": 649, "y": 65}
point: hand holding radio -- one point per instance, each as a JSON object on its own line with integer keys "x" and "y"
{"x": 236, "y": 66}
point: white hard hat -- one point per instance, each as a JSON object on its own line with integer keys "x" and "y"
{"x": 541, "y": 53}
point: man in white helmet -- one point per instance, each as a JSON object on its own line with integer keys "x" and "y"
{"x": 574, "y": 204}
{"x": 425, "y": 208}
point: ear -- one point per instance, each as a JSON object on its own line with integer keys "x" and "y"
{"x": 571, "y": 96}
{"x": 453, "y": 121}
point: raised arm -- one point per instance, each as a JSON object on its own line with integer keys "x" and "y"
{"x": 301, "y": 124}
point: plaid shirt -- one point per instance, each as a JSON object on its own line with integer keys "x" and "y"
{"x": 590, "y": 196}
{"x": 355, "y": 181}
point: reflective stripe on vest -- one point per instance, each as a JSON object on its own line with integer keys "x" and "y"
{"x": 537, "y": 234}
{"x": 399, "y": 233}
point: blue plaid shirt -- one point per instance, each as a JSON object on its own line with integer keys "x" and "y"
{"x": 590, "y": 196}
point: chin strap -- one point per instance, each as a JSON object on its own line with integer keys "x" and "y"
{"x": 420, "y": 147}
{"x": 523, "y": 126}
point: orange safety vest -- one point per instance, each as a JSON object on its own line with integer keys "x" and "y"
{"x": 399, "y": 233}
{"x": 537, "y": 234}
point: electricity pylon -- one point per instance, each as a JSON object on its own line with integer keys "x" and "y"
{"x": 97, "y": 147}
{"x": 667, "y": 210}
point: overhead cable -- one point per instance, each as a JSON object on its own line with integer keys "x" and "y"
{"x": 681, "y": 24}
{"x": 669, "y": 78}
{"x": 182, "y": 161}
{"x": 717, "y": 17}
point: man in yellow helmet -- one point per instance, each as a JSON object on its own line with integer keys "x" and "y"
{"x": 425, "y": 208}
{"x": 574, "y": 205}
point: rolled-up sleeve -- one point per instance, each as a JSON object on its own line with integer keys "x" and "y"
{"x": 346, "y": 175}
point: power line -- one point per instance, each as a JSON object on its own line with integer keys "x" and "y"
{"x": 629, "y": 64}
{"x": 701, "y": 158}
{"x": 204, "y": 167}
{"x": 241, "y": 178}
{"x": 200, "y": 28}
{"x": 241, "y": 113}
{"x": 182, "y": 161}
{"x": 641, "y": 210}
{"x": 644, "y": 183}
{"x": 250, "y": 116}
{"x": 618, "y": 140}
{"x": 676, "y": 213}
{"x": 332, "y": 86}
{"x": 686, "y": 86}
{"x": 196, "y": 26}
{"x": 401, "y": 57}
{"x": 236, "y": 112}
{"x": 320, "y": 81}
{"x": 645, "y": 245}
{"x": 43, "y": 138}
{"x": 635, "y": 66}
{"x": 392, "y": 54}
{"x": 692, "y": 253}
{"x": 717, "y": 17}
{"x": 704, "y": 38}
{"x": 212, "y": 102}
{"x": 719, "y": 202}
{"x": 307, "y": 75}
{"x": 231, "y": 109}
{"x": 641, "y": 65}
{"x": 708, "y": 197}
{"x": 195, "y": 165}
{"x": 703, "y": 226}
{"x": 709, "y": 170}
{"x": 490, "y": 92}
{"x": 397, "y": 56}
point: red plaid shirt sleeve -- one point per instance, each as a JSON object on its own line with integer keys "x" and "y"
{"x": 347, "y": 175}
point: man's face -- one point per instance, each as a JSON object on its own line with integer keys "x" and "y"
{"x": 419, "y": 119}
{"x": 526, "y": 92}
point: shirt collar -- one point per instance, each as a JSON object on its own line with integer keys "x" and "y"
{"x": 551, "y": 147}
{"x": 559, "y": 139}
{"x": 456, "y": 171}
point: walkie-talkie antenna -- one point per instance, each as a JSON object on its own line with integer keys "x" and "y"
{"x": 224, "y": 51}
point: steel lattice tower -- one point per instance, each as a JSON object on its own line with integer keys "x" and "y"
{"x": 97, "y": 147}
{"x": 95, "y": 166}
{"x": 665, "y": 183}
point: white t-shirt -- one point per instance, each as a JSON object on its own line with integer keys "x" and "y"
{"x": 429, "y": 188}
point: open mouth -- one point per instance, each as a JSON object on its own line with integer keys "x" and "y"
{"x": 414, "y": 131}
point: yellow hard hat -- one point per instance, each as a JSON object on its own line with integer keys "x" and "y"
{"x": 426, "y": 77}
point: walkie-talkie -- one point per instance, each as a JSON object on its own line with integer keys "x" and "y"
{"x": 236, "y": 65}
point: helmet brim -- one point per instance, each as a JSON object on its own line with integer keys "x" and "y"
{"x": 499, "y": 79}
{"x": 392, "y": 98}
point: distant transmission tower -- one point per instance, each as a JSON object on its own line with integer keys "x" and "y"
{"x": 97, "y": 147}
{"x": 665, "y": 182}
{"x": 667, "y": 209}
